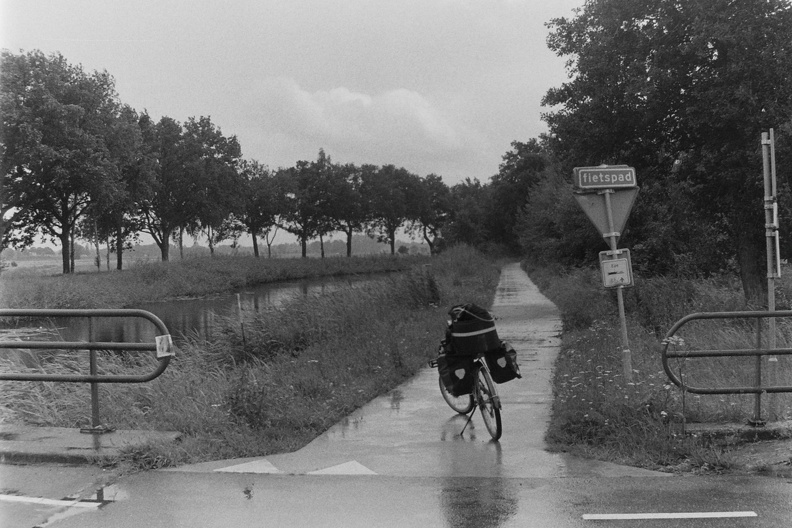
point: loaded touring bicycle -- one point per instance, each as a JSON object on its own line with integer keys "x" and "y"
{"x": 471, "y": 361}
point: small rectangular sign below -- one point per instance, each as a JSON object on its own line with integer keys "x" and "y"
{"x": 616, "y": 268}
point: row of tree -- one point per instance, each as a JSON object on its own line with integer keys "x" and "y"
{"x": 682, "y": 91}
{"x": 79, "y": 164}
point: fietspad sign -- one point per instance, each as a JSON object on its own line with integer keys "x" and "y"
{"x": 605, "y": 177}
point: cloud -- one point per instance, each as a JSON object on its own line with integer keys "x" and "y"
{"x": 397, "y": 126}
{"x": 343, "y": 116}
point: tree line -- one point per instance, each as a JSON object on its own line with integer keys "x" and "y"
{"x": 682, "y": 91}
{"x": 79, "y": 164}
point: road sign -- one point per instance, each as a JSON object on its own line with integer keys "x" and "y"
{"x": 605, "y": 177}
{"x": 621, "y": 202}
{"x": 616, "y": 268}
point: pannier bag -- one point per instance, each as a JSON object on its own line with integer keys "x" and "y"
{"x": 502, "y": 363}
{"x": 456, "y": 373}
{"x": 472, "y": 330}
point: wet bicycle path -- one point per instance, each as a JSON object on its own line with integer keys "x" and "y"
{"x": 411, "y": 432}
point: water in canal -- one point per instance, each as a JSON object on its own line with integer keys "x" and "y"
{"x": 194, "y": 316}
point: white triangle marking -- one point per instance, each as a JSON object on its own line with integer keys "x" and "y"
{"x": 257, "y": 466}
{"x": 347, "y": 468}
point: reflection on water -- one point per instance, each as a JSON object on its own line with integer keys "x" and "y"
{"x": 474, "y": 501}
{"x": 396, "y": 397}
{"x": 192, "y": 316}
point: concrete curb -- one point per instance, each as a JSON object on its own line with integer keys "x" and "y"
{"x": 27, "y": 444}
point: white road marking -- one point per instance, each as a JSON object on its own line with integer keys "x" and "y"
{"x": 257, "y": 466}
{"x": 348, "y": 468}
{"x": 681, "y": 515}
{"x": 49, "y": 502}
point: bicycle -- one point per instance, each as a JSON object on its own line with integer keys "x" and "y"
{"x": 483, "y": 395}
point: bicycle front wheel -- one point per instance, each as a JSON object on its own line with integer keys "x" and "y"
{"x": 461, "y": 404}
{"x": 488, "y": 403}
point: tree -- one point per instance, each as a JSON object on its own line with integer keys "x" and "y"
{"x": 305, "y": 200}
{"x": 553, "y": 229}
{"x": 434, "y": 208}
{"x": 119, "y": 219}
{"x": 348, "y": 206}
{"x": 471, "y": 203}
{"x": 55, "y": 121}
{"x": 173, "y": 192}
{"x": 522, "y": 168}
{"x": 261, "y": 202}
{"x": 211, "y": 161}
{"x": 327, "y": 187}
{"x": 392, "y": 194}
{"x": 681, "y": 91}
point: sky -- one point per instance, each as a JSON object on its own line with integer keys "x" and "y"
{"x": 435, "y": 86}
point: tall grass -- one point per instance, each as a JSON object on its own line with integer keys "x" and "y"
{"x": 194, "y": 277}
{"x": 272, "y": 383}
{"x": 596, "y": 412}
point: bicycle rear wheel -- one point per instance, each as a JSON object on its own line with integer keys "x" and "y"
{"x": 488, "y": 403}
{"x": 461, "y": 404}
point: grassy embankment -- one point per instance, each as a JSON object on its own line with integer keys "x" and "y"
{"x": 597, "y": 414}
{"x": 299, "y": 369}
{"x": 194, "y": 277}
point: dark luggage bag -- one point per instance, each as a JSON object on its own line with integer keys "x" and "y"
{"x": 502, "y": 363}
{"x": 456, "y": 371}
{"x": 472, "y": 330}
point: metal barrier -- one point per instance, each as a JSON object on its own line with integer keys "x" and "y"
{"x": 162, "y": 346}
{"x": 758, "y": 352}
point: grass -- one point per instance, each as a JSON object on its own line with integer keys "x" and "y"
{"x": 192, "y": 277}
{"x": 297, "y": 369}
{"x": 596, "y": 413}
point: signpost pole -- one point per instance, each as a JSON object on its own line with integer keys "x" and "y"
{"x": 617, "y": 186}
{"x": 771, "y": 235}
{"x": 612, "y": 237}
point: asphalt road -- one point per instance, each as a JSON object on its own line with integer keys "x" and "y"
{"x": 400, "y": 461}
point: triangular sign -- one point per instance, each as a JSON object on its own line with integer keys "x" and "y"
{"x": 593, "y": 204}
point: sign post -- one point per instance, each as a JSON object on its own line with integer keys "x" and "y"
{"x": 773, "y": 256}
{"x": 606, "y": 194}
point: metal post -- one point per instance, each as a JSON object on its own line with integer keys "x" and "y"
{"x": 612, "y": 240}
{"x": 772, "y": 241}
{"x": 241, "y": 320}
{"x": 757, "y": 421}
{"x": 97, "y": 428}
{"x": 771, "y": 233}
{"x": 95, "y": 420}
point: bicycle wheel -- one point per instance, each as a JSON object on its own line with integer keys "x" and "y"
{"x": 488, "y": 403}
{"x": 461, "y": 404}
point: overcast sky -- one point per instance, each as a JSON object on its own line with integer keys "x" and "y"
{"x": 435, "y": 86}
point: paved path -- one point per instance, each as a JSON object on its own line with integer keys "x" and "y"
{"x": 412, "y": 432}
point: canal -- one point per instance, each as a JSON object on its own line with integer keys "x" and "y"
{"x": 193, "y": 317}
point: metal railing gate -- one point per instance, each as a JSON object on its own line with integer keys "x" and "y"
{"x": 758, "y": 388}
{"x": 162, "y": 346}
